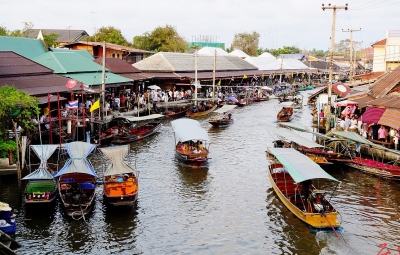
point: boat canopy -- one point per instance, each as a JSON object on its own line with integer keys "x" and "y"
{"x": 299, "y": 166}
{"x": 118, "y": 165}
{"x": 287, "y": 104}
{"x": 295, "y": 126}
{"x": 359, "y": 139}
{"x": 78, "y": 162}
{"x": 148, "y": 117}
{"x": 188, "y": 129}
{"x": 225, "y": 108}
{"x": 295, "y": 137}
{"x": 43, "y": 152}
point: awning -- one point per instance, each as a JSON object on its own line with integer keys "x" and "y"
{"x": 225, "y": 108}
{"x": 117, "y": 154}
{"x": 285, "y": 133}
{"x": 53, "y": 98}
{"x": 372, "y": 114}
{"x": 299, "y": 166}
{"x": 148, "y": 117}
{"x": 391, "y": 118}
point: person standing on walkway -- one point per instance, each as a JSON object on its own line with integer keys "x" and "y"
{"x": 382, "y": 133}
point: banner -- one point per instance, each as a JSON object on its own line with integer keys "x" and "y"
{"x": 95, "y": 106}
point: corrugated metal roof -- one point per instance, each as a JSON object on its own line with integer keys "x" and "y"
{"x": 322, "y": 65}
{"x": 38, "y": 84}
{"x": 83, "y": 53}
{"x": 67, "y": 62}
{"x": 363, "y": 101}
{"x": 64, "y": 35}
{"x": 183, "y": 62}
{"x": 264, "y": 63}
{"x": 266, "y": 55}
{"x": 389, "y": 101}
{"x": 385, "y": 84}
{"x": 209, "y": 51}
{"x": 29, "y": 48}
{"x": 239, "y": 53}
{"x": 94, "y": 78}
{"x": 297, "y": 56}
{"x": 12, "y": 64}
{"x": 137, "y": 76}
{"x": 108, "y": 46}
{"x": 117, "y": 65}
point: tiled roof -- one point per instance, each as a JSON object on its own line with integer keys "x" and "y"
{"x": 385, "y": 84}
{"x": 117, "y": 65}
{"x": 183, "y": 62}
{"x": 379, "y": 43}
{"x": 389, "y": 101}
{"x": 12, "y": 64}
{"x": 29, "y": 48}
{"x": 363, "y": 101}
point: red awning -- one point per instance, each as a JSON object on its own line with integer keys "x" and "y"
{"x": 372, "y": 114}
{"x": 391, "y": 118}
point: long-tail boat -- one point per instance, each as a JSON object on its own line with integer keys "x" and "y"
{"x": 225, "y": 119}
{"x": 191, "y": 142}
{"x": 41, "y": 187}
{"x": 77, "y": 180}
{"x": 120, "y": 181}
{"x": 285, "y": 114}
{"x": 295, "y": 179}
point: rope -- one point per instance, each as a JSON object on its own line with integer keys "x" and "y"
{"x": 334, "y": 230}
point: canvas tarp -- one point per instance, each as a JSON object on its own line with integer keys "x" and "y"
{"x": 117, "y": 155}
{"x": 372, "y": 114}
{"x": 43, "y": 152}
{"x": 294, "y": 137}
{"x": 188, "y": 129}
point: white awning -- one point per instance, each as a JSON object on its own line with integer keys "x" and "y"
{"x": 117, "y": 154}
{"x": 225, "y": 108}
{"x": 148, "y": 117}
{"x": 188, "y": 129}
{"x": 43, "y": 152}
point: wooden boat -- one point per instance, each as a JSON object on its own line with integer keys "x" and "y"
{"x": 285, "y": 114}
{"x": 77, "y": 181}
{"x": 41, "y": 187}
{"x": 196, "y": 112}
{"x": 291, "y": 176}
{"x": 225, "y": 119}
{"x": 176, "y": 112}
{"x": 137, "y": 133}
{"x": 298, "y": 142}
{"x": 8, "y": 222}
{"x": 191, "y": 142}
{"x": 103, "y": 136}
{"x": 367, "y": 165}
{"x": 120, "y": 181}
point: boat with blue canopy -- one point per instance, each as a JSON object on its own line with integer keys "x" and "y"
{"x": 77, "y": 180}
{"x": 302, "y": 186}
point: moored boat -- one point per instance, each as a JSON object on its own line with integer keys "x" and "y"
{"x": 197, "y": 111}
{"x": 77, "y": 180}
{"x": 176, "y": 112}
{"x": 8, "y": 222}
{"x": 120, "y": 181}
{"x": 41, "y": 187}
{"x": 291, "y": 176}
{"x": 137, "y": 133}
{"x": 191, "y": 142}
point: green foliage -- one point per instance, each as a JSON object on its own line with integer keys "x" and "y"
{"x": 13, "y": 99}
{"x": 164, "y": 39}
{"x": 284, "y": 50}
{"x": 16, "y": 33}
{"x": 343, "y": 47}
{"x": 318, "y": 53}
{"x": 246, "y": 42}
{"x": 109, "y": 35}
{"x": 50, "y": 40}
{"x": 27, "y": 30}
{"x": 3, "y": 31}
{"x": 5, "y": 146}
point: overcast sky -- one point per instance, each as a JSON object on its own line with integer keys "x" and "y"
{"x": 300, "y": 23}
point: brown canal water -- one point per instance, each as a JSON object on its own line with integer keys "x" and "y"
{"x": 227, "y": 207}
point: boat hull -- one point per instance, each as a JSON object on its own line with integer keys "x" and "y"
{"x": 190, "y": 113}
{"x": 190, "y": 159}
{"x": 40, "y": 192}
{"x": 137, "y": 134}
{"x": 325, "y": 220}
{"x": 375, "y": 168}
{"x": 120, "y": 193}
{"x": 285, "y": 114}
{"x": 220, "y": 122}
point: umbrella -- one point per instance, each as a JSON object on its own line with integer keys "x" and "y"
{"x": 340, "y": 89}
{"x": 154, "y": 87}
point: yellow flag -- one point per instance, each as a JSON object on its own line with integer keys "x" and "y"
{"x": 244, "y": 76}
{"x": 95, "y": 106}
{"x": 219, "y": 83}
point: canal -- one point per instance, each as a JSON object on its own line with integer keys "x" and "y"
{"x": 228, "y": 207}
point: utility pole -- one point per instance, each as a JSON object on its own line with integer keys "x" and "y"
{"x": 351, "y": 53}
{"x": 334, "y": 8}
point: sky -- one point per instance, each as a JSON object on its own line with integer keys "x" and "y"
{"x": 300, "y": 23}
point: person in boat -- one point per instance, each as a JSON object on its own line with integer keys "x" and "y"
{"x": 305, "y": 188}
{"x": 229, "y": 116}
{"x": 224, "y": 117}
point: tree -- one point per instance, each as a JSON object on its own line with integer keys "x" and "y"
{"x": 161, "y": 39}
{"x": 109, "y": 35}
{"x": 27, "y": 30}
{"x": 3, "y": 31}
{"x": 318, "y": 53}
{"x": 343, "y": 47}
{"x": 17, "y": 106}
{"x": 284, "y": 50}
{"x": 50, "y": 40}
{"x": 246, "y": 42}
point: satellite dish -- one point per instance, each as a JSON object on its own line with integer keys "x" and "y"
{"x": 70, "y": 84}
